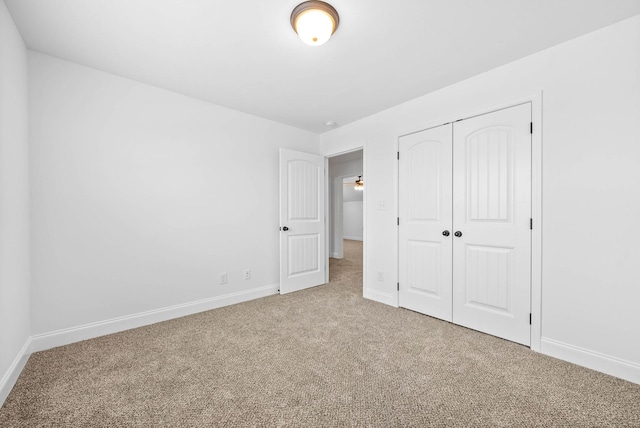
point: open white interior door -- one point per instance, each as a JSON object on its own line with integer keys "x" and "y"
{"x": 302, "y": 229}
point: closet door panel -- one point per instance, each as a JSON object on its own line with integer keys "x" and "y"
{"x": 491, "y": 212}
{"x": 425, "y": 186}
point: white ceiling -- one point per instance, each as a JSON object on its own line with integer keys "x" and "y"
{"x": 244, "y": 54}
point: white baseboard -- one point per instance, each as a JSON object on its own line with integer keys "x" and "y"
{"x": 594, "y": 360}
{"x": 336, "y": 256}
{"x": 353, "y": 238}
{"x": 41, "y": 342}
{"x": 380, "y": 296}
{"x": 11, "y": 376}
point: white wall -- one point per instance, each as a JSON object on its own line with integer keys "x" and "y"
{"x": 352, "y": 220}
{"x": 350, "y": 194}
{"x": 14, "y": 202}
{"x": 590, "y": 195}
{"x": 352, "y": 207}
{"x": 141, "y": 196}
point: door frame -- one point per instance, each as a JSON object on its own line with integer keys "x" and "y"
{"x": 536, "y": 201}
{"x": 327, "y": 214}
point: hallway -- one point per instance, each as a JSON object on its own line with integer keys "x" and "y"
{"x": 348, "y": 270}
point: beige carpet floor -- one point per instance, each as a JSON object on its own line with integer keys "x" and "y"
{"x": 319, "y": 357}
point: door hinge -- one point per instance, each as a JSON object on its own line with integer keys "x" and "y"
{"x": 398, "y": 286}
{"x": 531, "y": 223}
{"x": 398, "y": 221}
{"x": 398, "y": 155}
{"x": 531, "y": 127}
{"x": 529, "y": 318}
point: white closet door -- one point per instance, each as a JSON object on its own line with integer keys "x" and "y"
{"x": 425, "y": 213}
{"x": 491, "y": 211}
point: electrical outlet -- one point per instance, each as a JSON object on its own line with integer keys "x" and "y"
{"x": 380, "y": 275}
{"x": 247, "y": 274}
{"x": 223, "y": 278}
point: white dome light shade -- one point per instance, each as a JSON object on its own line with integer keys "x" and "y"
{"x": 314, "y": 21}
{"x": 314, "y": 27}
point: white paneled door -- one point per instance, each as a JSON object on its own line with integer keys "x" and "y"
{"x": 425, "y": 196}
{"x": 487, "y": 228}
{"x": 302, "y": 253}
{"x": 492, "y": 213}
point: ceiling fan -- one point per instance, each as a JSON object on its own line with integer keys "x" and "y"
{"x": 358, "y": 184}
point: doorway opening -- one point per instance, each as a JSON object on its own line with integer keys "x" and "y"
{"x": 345, "y": 213}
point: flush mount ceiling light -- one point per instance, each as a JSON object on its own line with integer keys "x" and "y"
{"x": 314, "y": 21}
